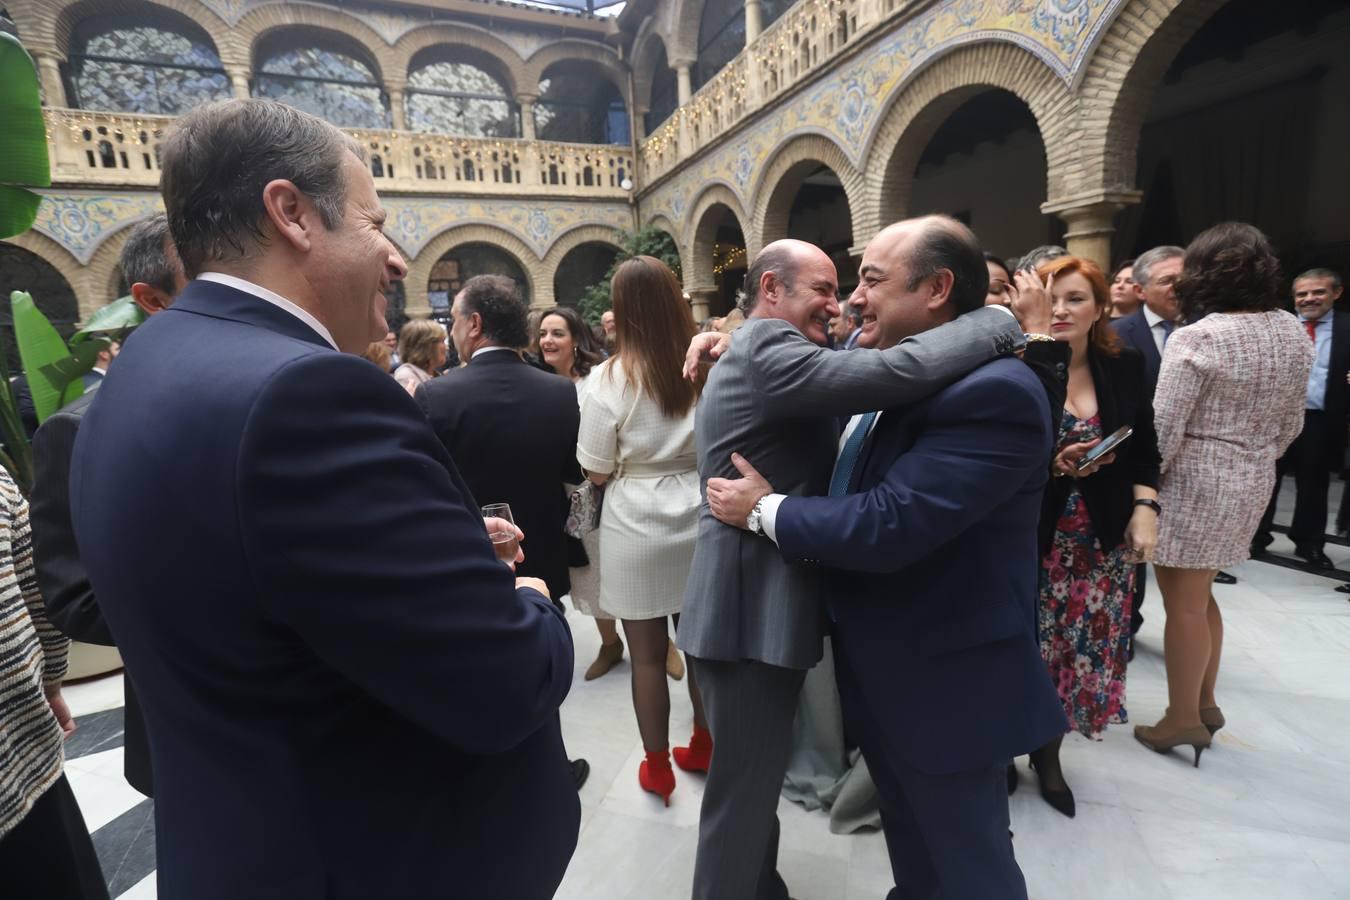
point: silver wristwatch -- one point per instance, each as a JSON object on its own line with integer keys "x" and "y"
{"x": 754, "y": 521}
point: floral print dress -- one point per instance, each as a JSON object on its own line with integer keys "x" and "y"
{"x": 1084, "y": 616}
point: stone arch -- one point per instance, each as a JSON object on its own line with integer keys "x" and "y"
{"x": 696, "y": 258}
{"x": 52, "y": 24}
{"x": 461, "y": 35}
{"x": 1121, "y": 79}
{"x": 573, "y": 49}
{"x": 66, "y": 265}
{"x": 103, "y": 269}
{"x": 919, "y": 106}
{"x": 259, "y": 23}
{"x": 777, "y": 186}
{"x": 686, "y": 19}
{"x": 419, "y": 270}
{"x": 584, "y": 234}
{"x": 664, "y": 224}
{"x": 646, "y": 46}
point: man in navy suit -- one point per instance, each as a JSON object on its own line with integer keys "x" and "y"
{"x": 347, "y": 694}
{"x": 1148, "y": 328}
{"x": 931, "y": 524}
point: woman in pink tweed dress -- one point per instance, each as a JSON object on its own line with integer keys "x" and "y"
{"x": 1230, "y": 400}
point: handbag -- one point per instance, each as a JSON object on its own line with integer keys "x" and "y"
{"x": 583, "y": 513}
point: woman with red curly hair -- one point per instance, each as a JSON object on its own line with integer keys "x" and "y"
{"x": 1230, "y": 401}
{"x": 1097, "y": 522}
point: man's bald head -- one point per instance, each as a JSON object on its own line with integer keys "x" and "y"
{"x": 781, "y": 259}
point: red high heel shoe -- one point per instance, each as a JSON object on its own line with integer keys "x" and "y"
{"x": 656, "y": 776}
{"x": 697, "y": 757}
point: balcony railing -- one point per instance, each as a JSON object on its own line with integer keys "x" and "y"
{"x": 116, "y": 149}
{"x": 805, "y": 39}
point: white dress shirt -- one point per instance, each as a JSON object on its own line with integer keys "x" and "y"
{"x": 1156, "y": 328}
{"x": 276, "y": 300}
{"x": 1317, "y": 376}
{"x": 481, "y": 350}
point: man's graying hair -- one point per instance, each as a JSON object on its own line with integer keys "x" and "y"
{"x": 147, "y": 257}
{"x": 218, "y": 159}
{"x": 1143, "y": 266}
{"x": 1320, "y": 272}
{"x": 781, "y": 260}
{"x": 946, "y": 243}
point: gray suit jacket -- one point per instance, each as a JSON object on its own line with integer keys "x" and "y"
{"x": 774, "y": 397}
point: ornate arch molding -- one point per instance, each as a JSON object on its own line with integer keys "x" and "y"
{"x": 777, "y": 186}
{"x": 1122, "y": 78}
{"x": 55, "y": 23}
{"x": 701, "y": 234}
{"x": 574, "y": 49}
{"x": 258, "y": 23}
{"x": 920, "y": 105}
{"x": 584, "y": 234}
{"x": 685, "y": 21}
{"x": 419, "y": 272}
{"x": 471, "y": 36}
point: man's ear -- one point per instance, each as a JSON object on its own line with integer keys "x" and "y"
{"x": 149, "y": 298}
{"x": 290, "y": 213}
{"x": 943, "y": 281}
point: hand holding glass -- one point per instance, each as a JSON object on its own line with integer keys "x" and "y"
{"x": 503, "y": 533}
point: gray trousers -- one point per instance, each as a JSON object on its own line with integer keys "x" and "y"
{"x": 750, "y": 707}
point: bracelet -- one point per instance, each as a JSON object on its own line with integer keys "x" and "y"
{"x": 1151, "y": 504}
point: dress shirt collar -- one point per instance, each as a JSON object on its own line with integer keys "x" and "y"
{"x": 481, "y": 350}
{"x": 276, "y": 300}
{"x": 1326, "y": 317}
{"x": 1151, "y": 317}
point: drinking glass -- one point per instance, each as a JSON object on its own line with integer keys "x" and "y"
{"x": 504, "y": 541}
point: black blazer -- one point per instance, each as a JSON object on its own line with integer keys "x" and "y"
{"x": 64, "y": 584}
{"x": 512, "y": 431}
{"x": 1337, "y": 401}
{"x": 1123, "y": 398}
{"x": 1134, "y": 331}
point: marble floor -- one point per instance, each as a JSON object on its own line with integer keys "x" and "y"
{"x": 1267, "y": 815}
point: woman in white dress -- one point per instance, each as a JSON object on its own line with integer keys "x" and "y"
{"x": 565, "y": 346}
{"x": 637, "y": 437}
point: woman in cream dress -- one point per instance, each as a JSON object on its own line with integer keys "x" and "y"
{"x": 637, "y": 438}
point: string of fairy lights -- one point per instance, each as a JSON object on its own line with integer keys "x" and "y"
{"x": 728, "y": 90}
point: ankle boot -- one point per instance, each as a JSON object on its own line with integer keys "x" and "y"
{"x": 609, "y": 656}
{"x": 656, "y": 776}
{"x": 697, "y": 757}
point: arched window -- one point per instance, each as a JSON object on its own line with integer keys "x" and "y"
{"x": 578, "y": 104}
{"x": 452, "y": 92}
{"x": 159, "y": 67}
{"x": 721, "y": 33}
{"x": 23, "y": 270}
{"x": 324, "y": 77}
{"x": 464, "y": 262}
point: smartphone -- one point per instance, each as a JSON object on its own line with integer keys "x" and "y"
{"x": 1113, "y": 441}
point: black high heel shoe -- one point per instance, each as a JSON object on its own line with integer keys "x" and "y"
{"x": 1060, "y": 799}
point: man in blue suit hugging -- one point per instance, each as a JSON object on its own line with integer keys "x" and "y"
{"x": 930, "y": 524}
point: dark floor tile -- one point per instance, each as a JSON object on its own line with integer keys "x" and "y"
{"x": 126, "y": 847}
{"x": 96, "y": 732}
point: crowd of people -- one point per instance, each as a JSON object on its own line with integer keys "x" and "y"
{"x": 299, "y": 566}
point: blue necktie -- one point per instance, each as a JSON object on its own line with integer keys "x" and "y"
{"x": 848, "y": 457}
{"x": 1167, "y": 331}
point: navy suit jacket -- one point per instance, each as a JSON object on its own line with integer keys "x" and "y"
{"x": 935, "y": 601}
{"x": 346, "y": 695}
{"x": 1133, "y": 330}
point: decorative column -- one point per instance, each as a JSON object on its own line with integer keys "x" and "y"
{"x": 238, "y": 81}
{"x": 527, "y": 102}
{"x": 49, "y": 77}
{"x": 639, "y": 124}
{"x": 754, "y": 20}
{"x": 397, "y": 113}
{"x": 700, "y": 303}
{"x": 1091, "y": 221}
{"x": 684, "y": 80}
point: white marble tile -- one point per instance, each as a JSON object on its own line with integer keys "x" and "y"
{"x": 1204, "y": 858}
{"x": 622, "y": 856}
{"x": 101, "y": 791}
{"x": 141, "y": 890}
{"x": 95, "y": 696}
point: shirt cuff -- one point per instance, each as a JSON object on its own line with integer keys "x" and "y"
{"x": 768, "y": 515}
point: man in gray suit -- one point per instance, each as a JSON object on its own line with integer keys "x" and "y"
{"x": 752, "y": 623}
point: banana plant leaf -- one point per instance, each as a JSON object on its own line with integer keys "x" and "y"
{"x": 23, "y": 139}
{"x": 40, "y": 347}
{"x": 118, "y": 316}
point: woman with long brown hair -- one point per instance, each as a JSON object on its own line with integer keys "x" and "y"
{"x": 637, "y": 435}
